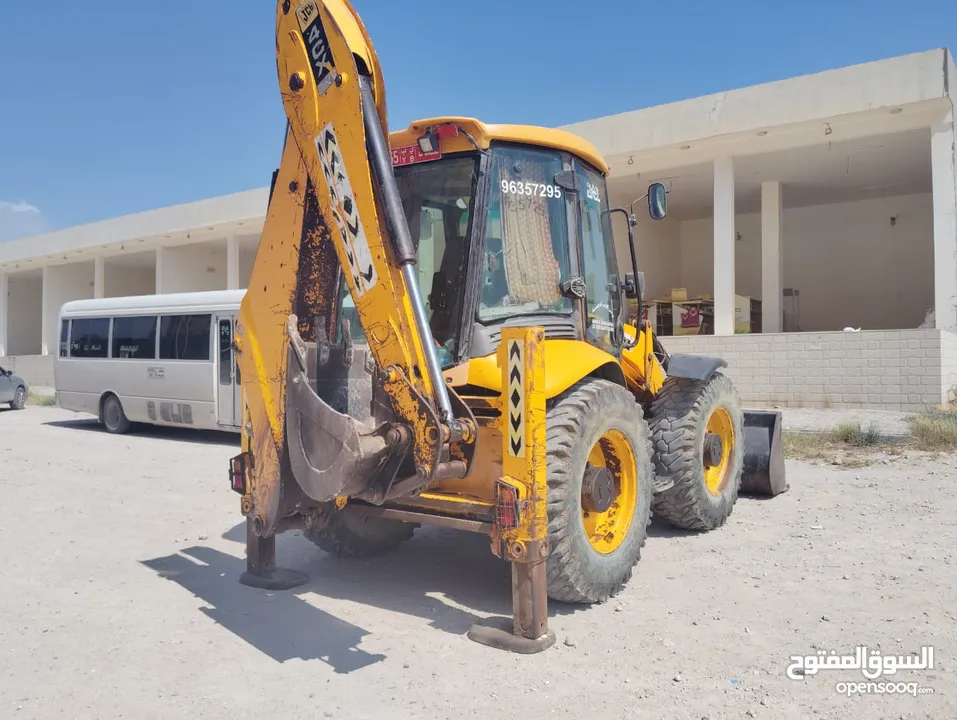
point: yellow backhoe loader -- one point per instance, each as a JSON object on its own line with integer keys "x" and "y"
{"x": 435, "y": 332}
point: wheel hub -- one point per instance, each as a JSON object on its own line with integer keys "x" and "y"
{"x": 713, "y": 450}
{"x": 598, "y": 489}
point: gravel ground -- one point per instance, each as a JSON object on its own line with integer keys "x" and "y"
{"x": 120, "y": 599}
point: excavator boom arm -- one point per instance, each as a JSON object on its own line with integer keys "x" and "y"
{"x": 335, "y": 211}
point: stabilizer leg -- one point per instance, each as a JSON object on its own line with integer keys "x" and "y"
{"x": 521, "y": 523}
{"x": 527, "y": 632}
{"x": 261, "y": 571}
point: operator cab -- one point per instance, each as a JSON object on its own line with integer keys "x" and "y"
{"x": 514, "y": 227}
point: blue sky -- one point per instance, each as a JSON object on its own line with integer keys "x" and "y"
{"x": 110, "y": 107}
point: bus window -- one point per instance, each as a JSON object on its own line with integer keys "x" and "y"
{"x": 185, "y": 337}
{"x": 90, "y": 338}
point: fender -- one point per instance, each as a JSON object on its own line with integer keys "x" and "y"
{"x": 566, "y": 362}
{"x": 694, "y": 367}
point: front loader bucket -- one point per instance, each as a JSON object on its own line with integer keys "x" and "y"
{"x": 763, "y": 472}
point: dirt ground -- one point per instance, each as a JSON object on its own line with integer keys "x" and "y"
{"x": 120, "y": 600}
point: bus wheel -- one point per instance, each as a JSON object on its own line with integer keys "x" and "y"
{"x": 112, "y": 415}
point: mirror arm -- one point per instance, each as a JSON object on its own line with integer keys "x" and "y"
{"x": 631, "y": 208}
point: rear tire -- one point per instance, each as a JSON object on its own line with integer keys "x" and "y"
{"x": 112, "y": 415}
{"x": 351, "y": 535}
{"x": 700, "y": 499}
{"x": 584, "y": 565}
{"x": 19, "y": 398}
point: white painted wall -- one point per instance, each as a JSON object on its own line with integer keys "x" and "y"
{"x": 23, "y": 324}
{"x": 851, "y": 266}
{"x": 886, "y": 83}
{"x": 63, "y": 283}
{"x": 122, "y": 281}
{"x": 247, "y": 258}
{"x": 193, "y": 268}
{"x": 247, "y": 208}
{"x": 658, "y": 244}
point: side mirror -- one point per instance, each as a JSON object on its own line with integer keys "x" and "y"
{"x": 631, "y": 289}
{"x": 634, "y": 285}
{"x": 657, "y": 201}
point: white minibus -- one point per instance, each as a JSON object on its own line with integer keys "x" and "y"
{"x": 159, "y": 359}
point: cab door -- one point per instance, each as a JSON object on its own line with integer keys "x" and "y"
{"x": 228, "y": 405}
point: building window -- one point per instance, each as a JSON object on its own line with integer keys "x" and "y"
{"x": 64, "y": 338}
{"x": 90, "y": 337}
{"x": 185, "y": 337}
{"x": 134, "y": 337}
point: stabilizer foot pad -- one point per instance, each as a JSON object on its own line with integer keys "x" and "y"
{"x": 498, "y": 634}
{"x": 278, "y": 579}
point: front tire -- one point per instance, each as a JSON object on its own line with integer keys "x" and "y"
{"x": 113, "y": 417}
{"x": 19, "y": 398}
{"x": 595, "y": 428}
{"x": 686, "y": 416}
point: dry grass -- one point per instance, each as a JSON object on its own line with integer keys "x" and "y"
{"x": 847, "y": 444}
{"x": 935, "y": 430}
{"x": 42, "y": 400}
{"x": 851, "y": 433}
{"x": 851, "y": 445}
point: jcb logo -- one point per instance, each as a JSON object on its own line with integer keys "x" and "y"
{"x": 317, "y": 44}
{"x": 307, "y": 12}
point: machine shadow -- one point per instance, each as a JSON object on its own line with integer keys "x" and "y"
{"x": 160, "y": 432}
{"x": 662, "y": 529}
{"x": 280, "y": 625}
{"x": 449, "y": 578}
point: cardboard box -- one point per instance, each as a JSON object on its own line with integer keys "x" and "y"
{"x": 687, "y": 318}
{"x": 742, "y": 314}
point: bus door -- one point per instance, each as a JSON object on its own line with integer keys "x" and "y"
{"x": 229, "y": 406}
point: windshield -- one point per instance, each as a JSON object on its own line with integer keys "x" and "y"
{"x": 437, "y": 198}
{"x": 526, "y": 238}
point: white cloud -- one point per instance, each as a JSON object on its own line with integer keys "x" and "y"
{"x": 20, "y": 219}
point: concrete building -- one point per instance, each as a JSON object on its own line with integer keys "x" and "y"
{"x": 830, "y": 198}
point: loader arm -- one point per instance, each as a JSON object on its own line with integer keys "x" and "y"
{"x": 335, "y": 191}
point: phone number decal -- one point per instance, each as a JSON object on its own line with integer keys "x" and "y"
{"x": 511, "y": 187}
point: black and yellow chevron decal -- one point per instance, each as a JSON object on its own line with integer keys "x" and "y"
{"x": 515, "y": 398}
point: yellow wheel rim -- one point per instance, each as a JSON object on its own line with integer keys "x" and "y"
{"x": 607, "y": 530}
{"x": 716, "y": 476}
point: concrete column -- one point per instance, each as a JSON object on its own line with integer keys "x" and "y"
{"x": 232, "y": 263}
{"x": 944, "y": 175}
{"x": 4, "y": 312}
{"x": 99, "y": 268}
{"x": 45, "y": 305}
{"x": 161, "y": 254}
{"x": 724, "y": 246}
{"x": 772, "y": 267}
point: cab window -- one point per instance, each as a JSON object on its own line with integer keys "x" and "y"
{"x": 599, "y": 263}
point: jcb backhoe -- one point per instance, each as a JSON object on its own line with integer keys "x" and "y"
{"x": 435, "y": 332}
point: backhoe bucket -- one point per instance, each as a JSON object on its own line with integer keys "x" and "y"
{"x": 336, "y": 449}
{"x": 763, "y": 472}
